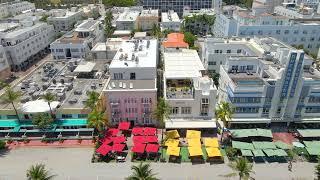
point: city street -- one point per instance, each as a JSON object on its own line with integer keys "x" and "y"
{"x": 75, "y": 164}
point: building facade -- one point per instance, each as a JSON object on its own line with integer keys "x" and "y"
{"x": 170, "y": 21}
{"x": 131, "y": 92}
{"x": 5, "y": 71}
{"x": 64, "y": 20}
{"x": 147, "y": 19}
{"x": 15, "y": 7}
{"x": 127, "y": 20}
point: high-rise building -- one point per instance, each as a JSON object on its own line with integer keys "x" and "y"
{"x": 177, "y": 5}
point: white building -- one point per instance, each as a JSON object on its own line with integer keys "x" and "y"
{"x": 190, "y": 94}
{"x": 291, "y": 31}
{"x": 106, "y": 51}
{"x": 64, "y": 20}
{"x": 24, "y": 42}
{"x": 147, "y": 19}
{"x": 131, "y": 92}
{"x": 199, "y": 22}
{"x": 281, "y": 87}
{"x": 15, "y": 7}
{"x": 78, "y": 43}
{"x": 127, "y": 20}
{"x": 293, "y": 11}
{"x": 4, "y": 65}
{"x": 170, "y": 20}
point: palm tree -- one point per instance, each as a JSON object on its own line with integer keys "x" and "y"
{"x": 97, "y": 120}
{"x": 49, "y": 98}
{"x": 162, "y": 113}
{"x": 242, "y": 167}
{"x": 142, "y": 172}
{"x": 39, "y": 172}
{"x": 11, "y": 96}
{"x": 224, "y": 112}
{"x": 156, "y": 31}
{"x": 93, "y": 98}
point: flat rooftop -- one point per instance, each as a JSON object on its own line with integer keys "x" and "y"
{"x": 62, "y": 14}
{"x": 58, "y": 77}
{"x": 5, "y": 27}
{"x": 184, "y": 63}
{"x": 149, "y": 13}
{"x": 70, "y": 37}
{"x": 125, "y": 85}
{"x": 22, "y": 30}
{"x": 128, "y": 15}
{"x": 87, "y": 25}
{"x": 169, "y": 17}
{"x": 135, "y": 54}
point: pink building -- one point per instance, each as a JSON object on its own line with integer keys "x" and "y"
{"x": 131, "y": 92}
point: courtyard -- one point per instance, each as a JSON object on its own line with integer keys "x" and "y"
{"x": 74, "y": 164}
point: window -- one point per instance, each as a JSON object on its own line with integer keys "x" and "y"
{"x": 286, "y": 32}
{"x": 278, "y": 31}
{"x": 239, "y": 51}
{"x": 147, "y": 120}
{"x": 204, "y": 107}
{"x": 185, "y": 110}
{"x": 250, "y": 67}
{"x": 279, "y": 110}
{"x": 11, "y": 117}
{"x": 174, "y": 110}
{"x": 228, "y": 51}
{"x": 212, "y": 63}
{"x": 265, "y": 111}
{"x": 216, "y": 51}
{"x": 132, "y": 75}
{"x": 117, "y": 76}
{"x": 82, "y": 115}
{"x": 247, "y": 109}
{"x": 66, "y": 115}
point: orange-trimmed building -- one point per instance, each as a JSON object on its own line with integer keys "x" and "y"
{"x": 175, "y": 40}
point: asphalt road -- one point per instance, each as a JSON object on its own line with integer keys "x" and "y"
{"x": 74, "y": 164}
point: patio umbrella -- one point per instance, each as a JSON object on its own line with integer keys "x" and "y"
{"x": 193, "y": 134}
{"x": 104, "y": 149}
{"x": 151, "y": 139}
{"x": 118, "y": 139}
{"x": 298, "y": 144}
{"x": 172, "y": 134}
{"x": 150, "y": 131}
{"x": 118, "y": 147}
{"x": 194, "y": 142}
{"x": 213, "y": 152}
{"x": 138, "y": 148}
{"x": 112, "y": 132}
{"x": 137, "y": 131}
{"x": 139, "y": 139}
{"x": 172, "y": 142}
{"x": 124, "y": 126}
{"x": 173, "y": 151}
{"x": 211, "y": 142}
{"x": 152, "y": 148}
{"x": 106, "y": 140}
{"x": 195, "y": 151}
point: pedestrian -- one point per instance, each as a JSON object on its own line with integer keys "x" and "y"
{"x": 290, "y": 166}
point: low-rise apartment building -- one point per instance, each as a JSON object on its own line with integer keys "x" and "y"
{"x": 64, "y": 20}
{"x": 147, "y": 19}
{"x": 170, "y": 21}
{"x": 127, "y": 20}
{"x": 5, "y": 70}
{"x": 78, "y": 43}
{"x": 15, "y": 7}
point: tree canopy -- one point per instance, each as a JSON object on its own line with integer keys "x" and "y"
{"x": 119, "y": 3}
{"x": 190, "y": 38}
{"x": 42, "y": 120}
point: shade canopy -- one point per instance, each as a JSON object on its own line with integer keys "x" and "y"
{"x": 211, "y": 142}
{"x": 138, "y": 148}
{"x": 242, "y": 145}
{"x": 139, "y": 139}
{"x": 270, "y": 152}
{"x": 263, "y": 145}
{"x": 193, "y": 134}
{"x": 258, "y": 153}
{"x": 213, "y": 152}
{"x": 150, "y": 131}
{"x": 137, "y": 131}
{"x": 280, "y": 152}
{"x": 173, "y": 151}
{"x": 112, "y": 132}
{"x": 282, "y": 145}
{"x": 309, "y": 132}
{"x": 104, "y": 149}
{"x": 313, "y": 151}
{"x": 247, "y": 153}
{"x": 172, "y": 142}
{"x": 124, "y": 126}
{"x": 152, "y": 148}
{"x": 194, "y": 142}
{"x": 312, "y": 144}
{"x": 244, "y": 133}
{"x": 38, "y": 106}
{"x": 118, "y": 139}
{"x": 195, "y": 151}
{"x": 151, "y": 139}
{"x": 298, "y": 144}
{"x": 172, "y": 134}
{"x": 85, "y": 68}
{"x": 118, "y": 147}
{"x": 106, "y": 140}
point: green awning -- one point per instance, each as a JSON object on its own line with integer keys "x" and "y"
{"x": 280, "y": 152}
{"x": 264, "y": 145}
{"x": 313, "y": 151}
{"x": 242, "y": 145}
{"x": 258, "y": 153}
{"x": 282, "y": 145}
{"x": 270, "y": 152}
{"x": 242, "y": 133}
{"x": 312, "y": 144}
{"x": 71, "y": 122}
{"x": 309, "y": 132}
{"x": 9, "y": 123}
{"x": 246, "y": 153}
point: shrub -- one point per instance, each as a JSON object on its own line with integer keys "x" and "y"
{"x": 2, "y": 144}
{"x": 231, "y": 153}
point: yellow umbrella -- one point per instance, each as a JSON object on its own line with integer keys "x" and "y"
{"x": 213, "y": 152}
{"x": 172, "y": 134}
{"x": 195, "y": 151}
{"x": 194, "y": 142}
{"x": 211, "y": 142}
{"x": 193, "y": 134}
{"x": 173, "y": 151}
{"x": 172, "y": 142}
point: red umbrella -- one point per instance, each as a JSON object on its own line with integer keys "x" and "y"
{"x": 138, "y": 148}
{"x": 139, "y": 139}
{"x": 112, "y": 132}
{"x": 152, "y": 148}
{"x": 150, "y": 131}
{"x": 118, "y": 139}
{"x": 118, "y": 147}
{"x": 106, "y": 140}
{"x": 137, "y": 131}
{"x": 151, "y": 139}
{"x": 124, "y": 126}
{"x": 104, "y": 149}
